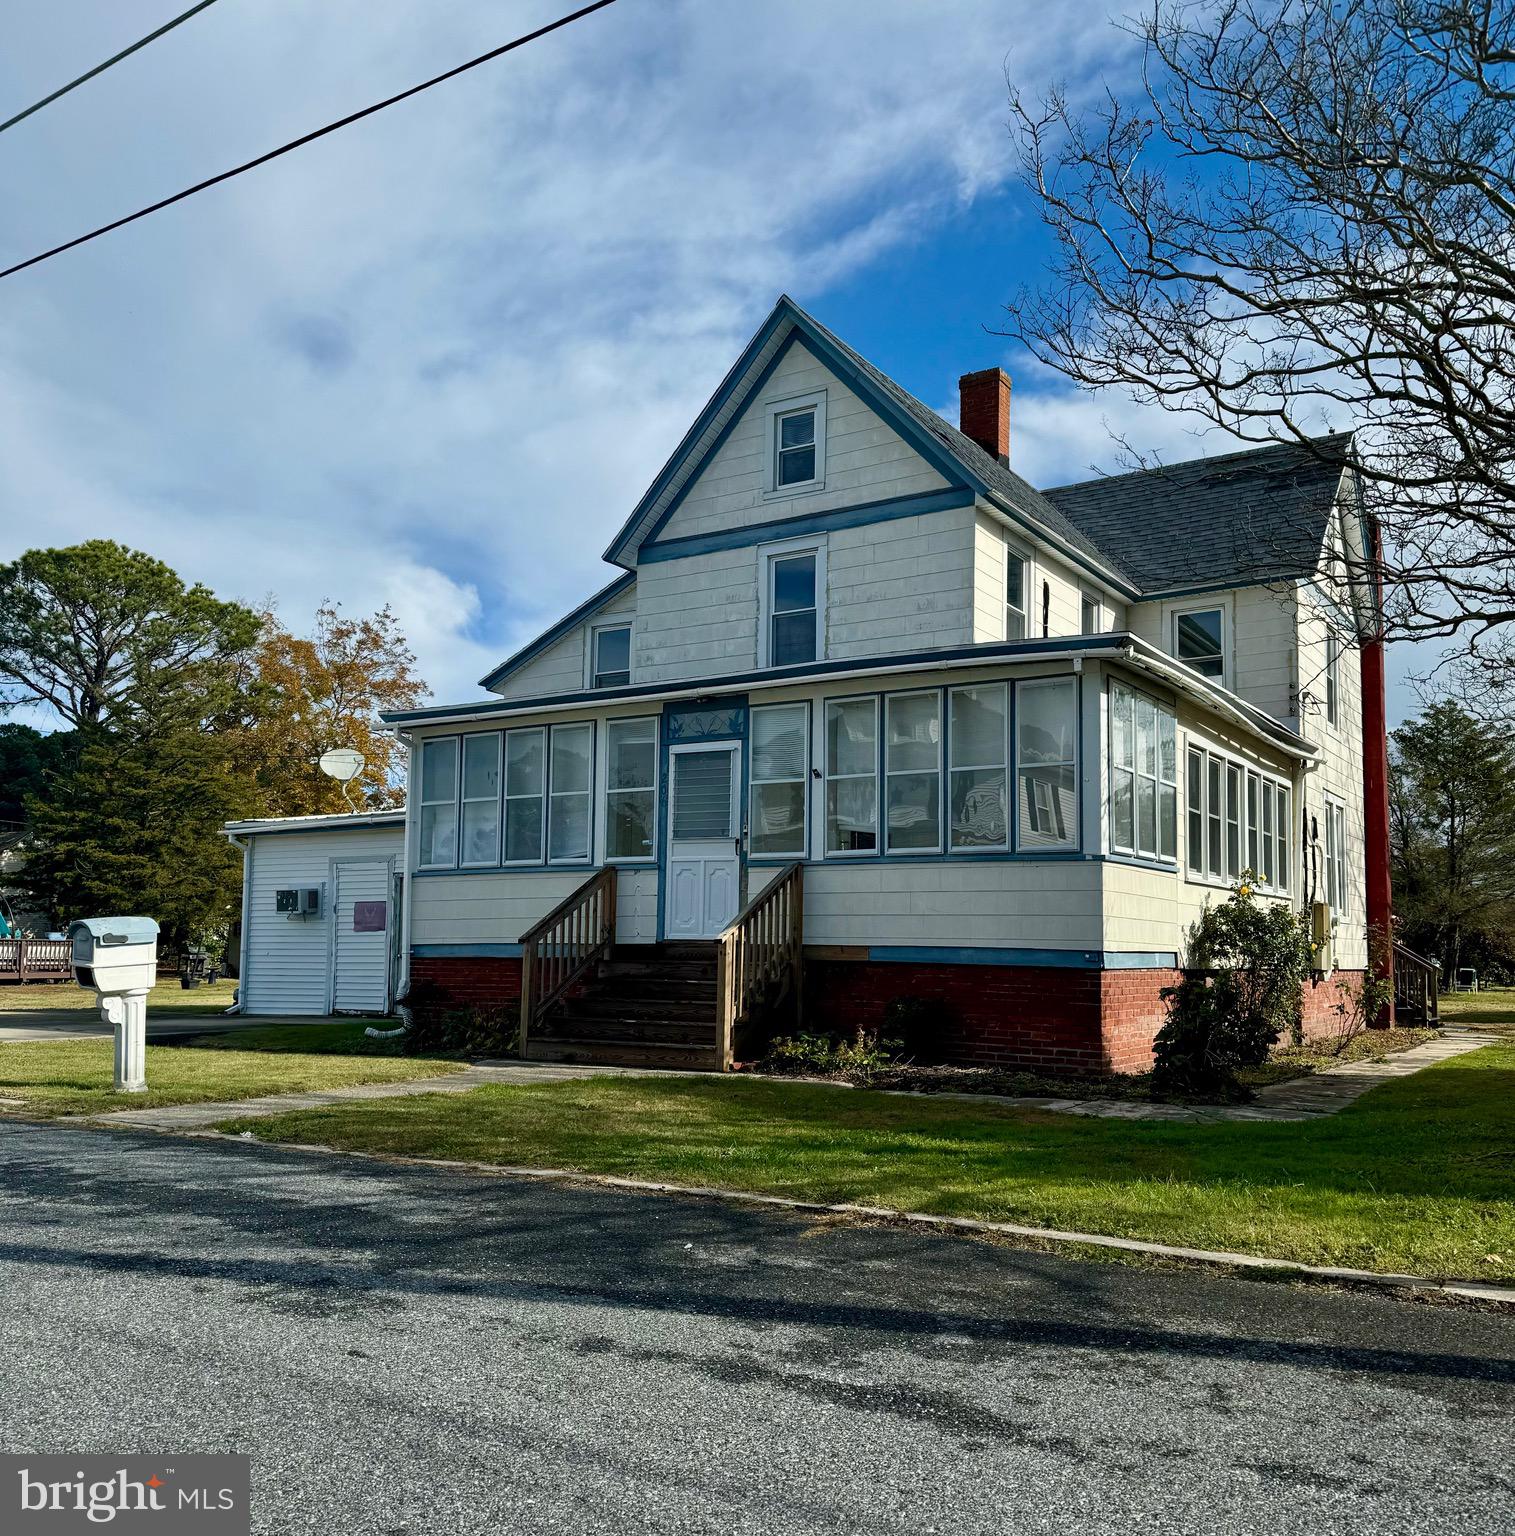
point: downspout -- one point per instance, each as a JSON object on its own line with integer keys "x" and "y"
{"x": 246, "y": 846}
{"x": 1375, "y": 783}
{"x": 407, "y": 888}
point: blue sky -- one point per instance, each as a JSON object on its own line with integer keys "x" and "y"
{"x": 434, "y": 360}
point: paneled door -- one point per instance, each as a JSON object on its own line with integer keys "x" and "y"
{"x": 702, "y": 891}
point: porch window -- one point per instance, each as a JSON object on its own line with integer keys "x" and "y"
{"x": 631, "y": 788}
{"x": 852, "y": 776}
{"x": 1047, "y": 763}
{"x": 780, "y": 773}
{"x": 1196, "y": 838}
{"x": 1238, "y": 822}
{"x": 525, "y": 795}
{"x": 569, "y": 794}
{"x": 913, "y": 772}
{"x": 439, "y": 804}
{"x": 1283, "y": 832}
{"x": 1143, "y": 775}
{"x": 978, "y": 739}
{"x": 1199, "y": 639}
{"x": 481, "y": 799}
{"x": 612, "y": 656}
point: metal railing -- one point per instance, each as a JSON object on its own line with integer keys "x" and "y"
{"x": 759, "y": 958}
{"x": 555, "y": 953}
{"x": 24, "y": 959}
{"x": 1416, "y": 987}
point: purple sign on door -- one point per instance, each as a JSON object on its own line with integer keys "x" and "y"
{"x": 369, "y": 916}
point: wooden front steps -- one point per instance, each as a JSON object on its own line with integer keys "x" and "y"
{"x": 643, "y": 1006}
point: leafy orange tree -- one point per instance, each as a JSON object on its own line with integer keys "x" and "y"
{"x": 312, "y": 693}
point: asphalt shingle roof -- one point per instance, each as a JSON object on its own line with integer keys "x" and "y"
{"x": 1254, "y": 516}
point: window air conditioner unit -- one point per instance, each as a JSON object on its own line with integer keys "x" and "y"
{"x": 304, "y": 902}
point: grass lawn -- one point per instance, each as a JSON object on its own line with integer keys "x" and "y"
{"x": 166, "y": 1000}
{"x": 1418, "y": 1175}
{"x": 1493, "y": 1010}
{"x": 68, "y": 1077}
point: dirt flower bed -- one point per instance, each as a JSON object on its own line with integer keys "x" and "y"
{"x": 1285, "y": 1062}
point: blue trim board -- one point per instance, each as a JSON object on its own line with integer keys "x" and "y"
{"x": 535, "y": 648}
{"x": 1062, "y": 959}
{"x": 860, "y": 516}
{"x": 973, "y": 655}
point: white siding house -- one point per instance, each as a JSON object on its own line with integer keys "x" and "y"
{"x": 1006, "y": 742}
{"x": 342, "y": 956}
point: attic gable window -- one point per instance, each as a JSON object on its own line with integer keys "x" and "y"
{"x": 796, "y": 431}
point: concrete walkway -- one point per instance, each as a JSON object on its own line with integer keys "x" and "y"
{"x": 191, "y": 1117}
{"x": 1300, "y": 1098}
{"x": 86, "y": 1024}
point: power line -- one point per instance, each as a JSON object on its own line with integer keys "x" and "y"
{"x": 307, "y": 138}
{"x": 100, "y": 69}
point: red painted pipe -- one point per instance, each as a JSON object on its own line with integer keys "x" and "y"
{"x": 1375, "y": 804}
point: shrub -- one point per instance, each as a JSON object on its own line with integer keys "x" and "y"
{"x": 1242, "y": 986}
{"x": 827, "y": 1056}
{"x": 462, "y": 1032}
{"x": 920, "y": 1025}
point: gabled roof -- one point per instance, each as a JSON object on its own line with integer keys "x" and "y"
{"x": 957, "y": 458}
{"x": 1233, "y": 520}
{"x": 588, "y": 607}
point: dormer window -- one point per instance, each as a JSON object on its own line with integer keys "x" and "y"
{"x": 796, "y": 444}
{"x": 610, "y": 666}
{"x": 1199, "y": 638}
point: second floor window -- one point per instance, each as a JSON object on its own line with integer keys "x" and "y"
{"x": 1333, "y": 680}
{"x": 1199, "y": 639}
{"x": 793, "y": 580}
{"x": 1015, "y": 596}
{"x": 612, "y": 657}
{"x": 1336, "y": 856}
{"x": 1091, "y": 615}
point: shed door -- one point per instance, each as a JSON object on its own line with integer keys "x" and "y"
{"x": 361, "y": 921}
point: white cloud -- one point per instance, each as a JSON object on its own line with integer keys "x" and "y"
{"x": 435, "y": 359}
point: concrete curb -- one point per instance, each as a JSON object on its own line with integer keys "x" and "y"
{"x": 1462, "y": 1290}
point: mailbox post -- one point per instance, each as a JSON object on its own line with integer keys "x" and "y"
{"x": 118, "y": 957}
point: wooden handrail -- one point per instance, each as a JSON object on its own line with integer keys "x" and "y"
{"x": 1416, "y": 985}
{"x": 560, "y": 948}
{"x": 763, "y": 947}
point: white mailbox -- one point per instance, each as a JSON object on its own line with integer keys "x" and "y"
{"x": 118, "y": 957}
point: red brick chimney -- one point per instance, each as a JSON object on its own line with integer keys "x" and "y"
{"x": 984, "y": 410}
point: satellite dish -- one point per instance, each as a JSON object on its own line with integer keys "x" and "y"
{"x": 341, "y": 764}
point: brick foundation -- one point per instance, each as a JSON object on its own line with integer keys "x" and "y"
{"x": 1035, "y": 1017}
{"x": 480, "y": 980}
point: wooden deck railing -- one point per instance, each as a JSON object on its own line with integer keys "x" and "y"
{"x": 24, "y": 959}
{"x": 1416, "y": 987}
{"x": 759, "y": 957}
{"x": 554, "y": 954}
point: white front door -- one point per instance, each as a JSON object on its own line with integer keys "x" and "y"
{"x": 360, "y": 914}
{"x": 703, "y": 890}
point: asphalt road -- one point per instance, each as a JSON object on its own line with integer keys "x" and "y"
{"x": 406, "y": 1351}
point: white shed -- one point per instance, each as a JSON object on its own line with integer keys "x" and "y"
{"x": 320, "y": 912}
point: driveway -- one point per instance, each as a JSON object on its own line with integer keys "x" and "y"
{"x": 408, "y": 1350}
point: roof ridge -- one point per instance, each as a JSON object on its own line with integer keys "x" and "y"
{"x": 1254, "y": 451}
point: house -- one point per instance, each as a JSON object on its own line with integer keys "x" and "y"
{"x": 933, "y": 732}
{"x": 320, "y": 897}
